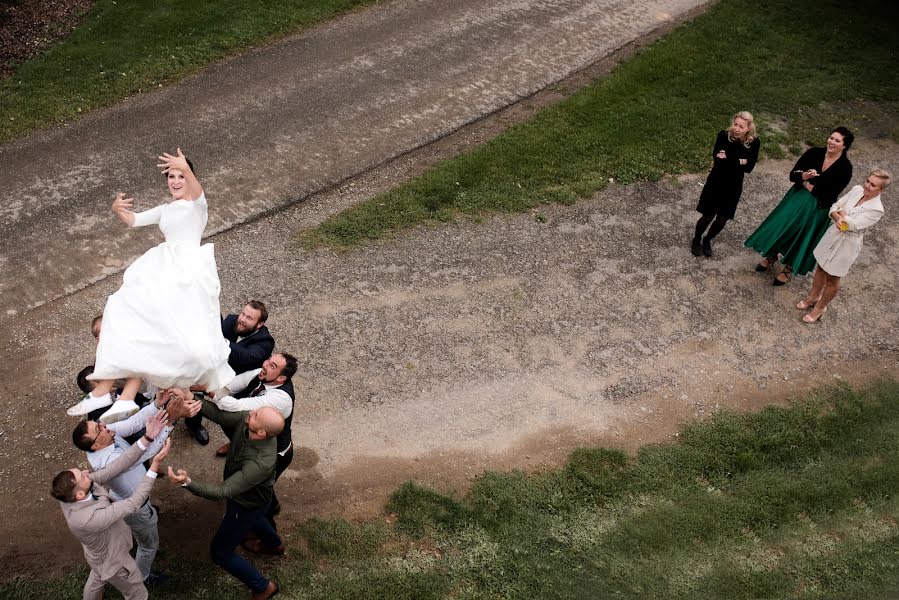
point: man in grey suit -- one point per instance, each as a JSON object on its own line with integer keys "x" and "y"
{"x": 98, "y": 522}
{"x": 105, "y": 443}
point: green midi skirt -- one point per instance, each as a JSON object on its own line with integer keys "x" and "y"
{"x": 793, "y": 229}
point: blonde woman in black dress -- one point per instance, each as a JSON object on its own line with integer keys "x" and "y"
{"x": 735, "y": 154}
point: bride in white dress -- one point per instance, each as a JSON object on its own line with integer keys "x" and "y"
{"x": 163, "y": 325}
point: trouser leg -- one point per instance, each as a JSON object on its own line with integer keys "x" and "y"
{"x": 194, "y": 422}
{"x": 266, "y": 532}
{"x": 129, "y": 582}
{"x": 144, "y": 525}
{"x": 237, "y": 522}
{"x": 93, "y": 587}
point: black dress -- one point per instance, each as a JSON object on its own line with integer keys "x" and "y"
{"x": 724, "y": 184}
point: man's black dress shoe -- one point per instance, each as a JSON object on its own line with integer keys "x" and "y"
{"x": 200, "y": 434}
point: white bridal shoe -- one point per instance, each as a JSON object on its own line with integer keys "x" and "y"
{"x": 88, "y": 404}
{"x": 120, "y": 410}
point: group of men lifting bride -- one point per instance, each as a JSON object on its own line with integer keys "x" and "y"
{"x": 164, "y": 353}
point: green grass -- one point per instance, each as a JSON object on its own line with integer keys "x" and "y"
{"x": 795, "y": 502}
{"x": 122, "y": 48}
{"x": 659, "y": 112}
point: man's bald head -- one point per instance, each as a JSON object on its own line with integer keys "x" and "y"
{"x": 266, "y": 419}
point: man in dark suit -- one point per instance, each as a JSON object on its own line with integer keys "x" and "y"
{"x": 251, "y": 343}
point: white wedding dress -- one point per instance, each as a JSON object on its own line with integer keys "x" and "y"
{"x": 164, "y": 324}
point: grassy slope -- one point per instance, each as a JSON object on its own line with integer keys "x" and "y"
{"x": 125, "y": 47}
{"x": 796, "y": 502}
{"x": 659, "y": 112}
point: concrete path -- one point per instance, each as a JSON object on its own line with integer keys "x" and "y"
{"x": 271, "y": 127}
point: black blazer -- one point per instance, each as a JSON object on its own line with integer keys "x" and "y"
{"x": 250, "y": 352}
{"x": 828, "y": 185}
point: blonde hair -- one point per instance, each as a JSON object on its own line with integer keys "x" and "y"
{"x": 884, "y": 176}
{"x": 750, "y": 133}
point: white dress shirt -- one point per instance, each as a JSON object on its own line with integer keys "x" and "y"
{"x": 272, "y": 396}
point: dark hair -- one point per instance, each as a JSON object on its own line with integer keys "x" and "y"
{"x": 95, "y": 325}
{"x": 63, "y": 484}
{"x": 189, "y": 164}
{"x": 848, "y": 137}
{"x": 290, "y": 366}
{"x": 84, "y": 384}
{"x": 263, "y": 311}
{"x": 80, "y": 438}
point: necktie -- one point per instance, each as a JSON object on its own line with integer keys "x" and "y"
{"x": 259, "y": 389}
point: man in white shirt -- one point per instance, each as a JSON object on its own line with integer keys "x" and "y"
{"x": 105, "y": 443}
{"x": 269, "y": 385}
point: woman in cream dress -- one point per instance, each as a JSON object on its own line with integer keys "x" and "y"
{"x": 852, "y": 214}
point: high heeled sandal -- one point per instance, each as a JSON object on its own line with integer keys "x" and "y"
{"x": 808, "y": 318}
{"x": 788, "y": 273}
{"x": 803, "y": 305}
{"x": 762, "y": 267}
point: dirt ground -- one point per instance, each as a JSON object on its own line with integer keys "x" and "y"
{"x": 29, "y": 28}
{"x": 497, "y": 343}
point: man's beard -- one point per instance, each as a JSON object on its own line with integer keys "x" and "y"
{"x": 240, "y": 332}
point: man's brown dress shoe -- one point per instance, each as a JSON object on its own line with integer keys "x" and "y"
{"x": 224, "y": 450}
{"x": 269, "y": 592}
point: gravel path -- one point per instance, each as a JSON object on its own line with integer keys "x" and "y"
{"x": 270, "y": 127}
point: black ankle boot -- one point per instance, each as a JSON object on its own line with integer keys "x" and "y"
{"x": 707, "y": 247}
{"x": 695, "y": 247}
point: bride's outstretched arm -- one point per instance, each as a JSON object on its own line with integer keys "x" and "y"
{"x": 122, "y": 208}
{"x": 179, "y": 162}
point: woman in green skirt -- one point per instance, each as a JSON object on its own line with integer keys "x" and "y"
{"x": 796, "y": 225}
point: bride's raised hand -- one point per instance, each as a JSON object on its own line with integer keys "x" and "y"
{"x": 176, "y": 161}
{"x": 122, "y": 208}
